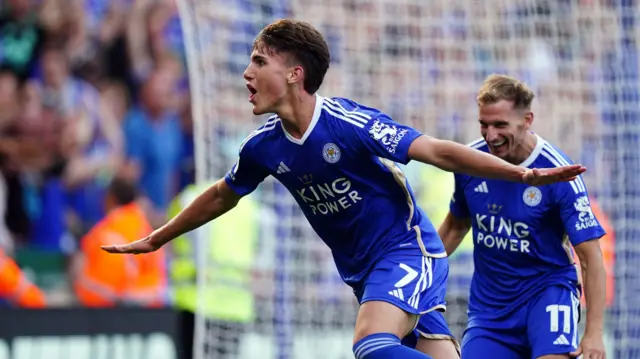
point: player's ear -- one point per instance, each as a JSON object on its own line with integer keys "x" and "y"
{"x": 528, "y": 119}
{"x": 295, "y": 74}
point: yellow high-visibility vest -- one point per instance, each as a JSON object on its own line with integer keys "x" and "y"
{"x": 436, "y": 189}
{"x": 229, "y": 244}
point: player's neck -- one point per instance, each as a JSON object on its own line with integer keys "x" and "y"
{"x": 525, "y": 148}
{"x": 297, "y": 114}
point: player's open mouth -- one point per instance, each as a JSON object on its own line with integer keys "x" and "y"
{"x": 497, "y": 145}
{"x": 252, "y": 91}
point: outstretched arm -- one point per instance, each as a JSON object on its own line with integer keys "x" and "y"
{"x": 243, "y": 178}
{"x": 453, "y": 157}
{"x": 214, "y": 202}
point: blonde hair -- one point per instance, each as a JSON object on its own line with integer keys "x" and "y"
{"x": 502, "y": 87}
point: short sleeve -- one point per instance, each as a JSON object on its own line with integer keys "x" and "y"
{"x": 245, "y": 176}
{"x": 575, "y": 209}
{"x": 386, "y": 138}
{"x": 458, "y": 205}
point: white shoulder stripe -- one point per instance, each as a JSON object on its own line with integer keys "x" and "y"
{"x": 564, "y": 162}
{"x": 271, "y": 120}
{"x": 352, "y": 115}
{"x": 337, "y": 106}
{"x": 555, "y": 162}
{"x": 342, "y": 117}
{"x": 477, "y": 143}
{"x": 268, "y": 126}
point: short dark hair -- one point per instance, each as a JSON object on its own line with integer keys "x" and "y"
{"x": 123, "y": 191}
{"x": 303, "y": 42}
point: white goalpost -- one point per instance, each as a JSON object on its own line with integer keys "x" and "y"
{"x": 421, "y": 62}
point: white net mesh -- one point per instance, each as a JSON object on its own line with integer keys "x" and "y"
{"x": 421, "y": 62}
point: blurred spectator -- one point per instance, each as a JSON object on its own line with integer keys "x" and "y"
{"x": 90, "y": 122}
{"x": 153, "y": 32}
{"x": 11, "y": 213}
{"x": 15, "y": 288}
{"x": 102, "y": 24}
{"x": 187, "y": 172}
{"x": 102, "y": 279}
{"x": 90, "y": 140}
{"x": 9, "y": 87}
{"x": 116, "y": 97}
{"x": 21, "y": 37}
{"x": 154, "y": 141}
{"x": 170, "y": 67}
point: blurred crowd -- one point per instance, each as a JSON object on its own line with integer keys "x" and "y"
{"x": 96, "y": 116}
{"x": 91, "y": 91}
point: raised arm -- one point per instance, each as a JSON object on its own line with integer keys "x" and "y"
{"x": 453, "y": 157}
{"x": 214, "y": 202}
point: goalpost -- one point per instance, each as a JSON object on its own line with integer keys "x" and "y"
{"x": 421, "y": 62}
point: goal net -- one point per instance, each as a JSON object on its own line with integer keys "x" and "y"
{"x": 421, "y": 62}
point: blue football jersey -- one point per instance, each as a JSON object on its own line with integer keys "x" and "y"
{"x": 523, "y": 235}
{"x": 343, "y": 174}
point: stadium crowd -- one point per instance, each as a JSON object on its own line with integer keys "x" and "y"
{"x": 95, "y": 109}
{"x": 92, "y": 91}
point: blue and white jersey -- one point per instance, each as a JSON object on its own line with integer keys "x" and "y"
{"x": 344, "y": 176}
{"x": 523, "y": 235}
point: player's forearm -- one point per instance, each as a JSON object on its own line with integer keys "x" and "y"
{"x": 453, "y": 157}
{"x": 211, "y": 204}
{"x": 594, "y": 278}
{"x": 452, "y": 231}
{"x": 451, "y": 242}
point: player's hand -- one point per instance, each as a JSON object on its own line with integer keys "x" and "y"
{"x": 543, "y": 176}
{"x": 144, "y": 245}
{"x": 591, "y": 347}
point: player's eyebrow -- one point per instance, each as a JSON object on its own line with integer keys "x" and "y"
{"x": 256, "y": 57}
{"x": 493, "y": 123}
